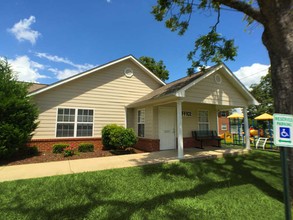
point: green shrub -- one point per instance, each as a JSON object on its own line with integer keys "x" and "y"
{"x": 33, "y": 150}
{"x": 128, "y": 138}
{"x": 86, "y": 147}
{"x": 117, "y": 137}
{"x": 69, "y": 151}
{"x": 106, "y": 133}
{"x": 59, "y": 148}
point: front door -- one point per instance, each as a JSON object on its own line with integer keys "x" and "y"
{"x": 167, "y": 128}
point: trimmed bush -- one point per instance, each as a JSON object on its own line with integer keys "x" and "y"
{"x": 128, "y": 138}
{"x": 34, "y": 150}
{"x": 69, "y": 151}
{"x": 59, "y": 148}
{"x": 86, "y": 147}
{"x": 106, "y": 136}
{"x": 117, "y": 137}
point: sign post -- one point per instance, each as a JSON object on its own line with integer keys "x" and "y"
{"x": 283, "y": 137}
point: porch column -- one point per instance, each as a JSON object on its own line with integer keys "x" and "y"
{"x": 246, "y": 129}
{"x": 179, "y": 130}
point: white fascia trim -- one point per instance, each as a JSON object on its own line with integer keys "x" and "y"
{"x": 244, "y": 90}
{"x": 97, "y": 69}
{"x": 181, "y": 92}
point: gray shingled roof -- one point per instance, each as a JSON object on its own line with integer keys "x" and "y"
{"x": 35, "y": 86}
{"x": 174, "y": 86}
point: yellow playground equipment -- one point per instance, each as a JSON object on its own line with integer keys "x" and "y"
{"x": 227, "y": 136}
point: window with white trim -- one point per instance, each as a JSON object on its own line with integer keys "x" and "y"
{"x": 140, "y": 122}
{"x": 203, "y": 120}
{"x": 73, "y": 122}
{"x": 224, "y": 127}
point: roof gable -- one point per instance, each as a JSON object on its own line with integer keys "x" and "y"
{"x": 179, "y": 87}
{"x": 83, "y": 74}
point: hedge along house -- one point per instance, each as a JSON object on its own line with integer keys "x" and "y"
{"x": 124, "y": 92}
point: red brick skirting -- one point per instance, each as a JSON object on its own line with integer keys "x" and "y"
{"x": 145, "y": 144}
{"x": 46, "y": 145}
{"x": 189, "y": 142}
{"x": 149, "y": 145}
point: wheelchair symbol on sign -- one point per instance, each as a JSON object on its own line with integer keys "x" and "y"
{"x": 284, "y": 132}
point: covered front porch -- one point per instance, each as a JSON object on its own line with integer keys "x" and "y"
{"x": 205, "y": 122}
{"x": 170, "y": 113}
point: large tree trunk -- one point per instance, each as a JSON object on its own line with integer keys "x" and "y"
{"x": 278, "y": 39}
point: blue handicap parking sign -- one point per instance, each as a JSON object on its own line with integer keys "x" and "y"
{"x": 284, "y": 132}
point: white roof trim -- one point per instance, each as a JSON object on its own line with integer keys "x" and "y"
{"x": 97, "y": 69}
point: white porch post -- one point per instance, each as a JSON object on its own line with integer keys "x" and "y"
{"x": 246, "y": 129}
{"x": 179, "y": 130}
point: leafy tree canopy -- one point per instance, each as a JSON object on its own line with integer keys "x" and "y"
{"x": 17, "y": 113}
{"x": 264, "y": 95}
{"x": 158, "y": 68}
{"x": 212, "y": 46}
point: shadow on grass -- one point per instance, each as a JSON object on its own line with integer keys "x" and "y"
{"x": 92, "y": 195}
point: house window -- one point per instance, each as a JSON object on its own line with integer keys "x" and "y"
{"x": 224, "y": 127}
{"x": 203, "y": 120}
{"x": 74, "y": 122}
{"x": 140, "y": 122}
{"x": 224, "y": 114}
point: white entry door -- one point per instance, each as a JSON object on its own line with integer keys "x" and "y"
{"x": 167, "y": 122}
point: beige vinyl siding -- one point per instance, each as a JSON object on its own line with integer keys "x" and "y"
{"x": 188, "y": 123}
{"x": 209, "y": 92}
{"x": 191, "y": 123}
{"x": 148, "y": 124}
{"x": 107, "y": 91}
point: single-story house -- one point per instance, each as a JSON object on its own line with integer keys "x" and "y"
{"x": 126, "y": 93}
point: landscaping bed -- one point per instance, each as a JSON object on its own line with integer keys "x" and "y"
{"x": 42, "y": 157}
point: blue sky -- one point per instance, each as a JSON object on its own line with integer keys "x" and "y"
{"x": 46, "y": 41}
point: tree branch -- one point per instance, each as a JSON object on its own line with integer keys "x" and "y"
{"x": 243, "y": 7}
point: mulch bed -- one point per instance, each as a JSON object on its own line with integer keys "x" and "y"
{"x": 49, "y": 157}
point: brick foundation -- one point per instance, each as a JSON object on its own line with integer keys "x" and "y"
{"x": 149, "y": 145}
{"x": 189, "y": 142}
{"x": 46, "y": 145}
{"x": 145, "y": 144}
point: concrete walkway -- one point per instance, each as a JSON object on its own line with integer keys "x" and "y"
{"x": 27, "y": 171}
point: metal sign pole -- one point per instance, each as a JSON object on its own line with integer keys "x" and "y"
{"x": 284, "y": 158}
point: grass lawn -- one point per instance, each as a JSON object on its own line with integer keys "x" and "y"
{"x": 242, "y": 187}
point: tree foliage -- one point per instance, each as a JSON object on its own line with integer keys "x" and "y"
{"x": 211, "y": 46}
{"x": 17, "y": 113}
{"x": 158, "y": 68}
{"x": 264, "y": 94}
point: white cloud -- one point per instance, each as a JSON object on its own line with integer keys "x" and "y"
{"x": 62, "y": 74}
{"x": 251, "y": 74}
{"x": 67, "y": 72}
{"x": 57, "y": 59}
{"x": 22, "y": 30}
{"x": 54, "y": 58}
{"x": 26, "y": 69}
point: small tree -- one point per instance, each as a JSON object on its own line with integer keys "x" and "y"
{"x": 17, "y": 113}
